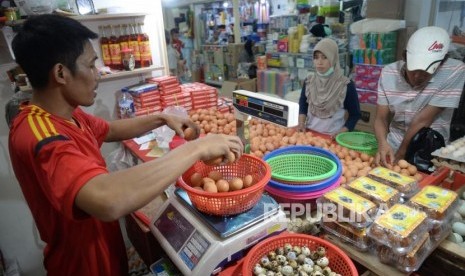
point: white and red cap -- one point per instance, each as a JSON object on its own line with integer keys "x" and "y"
{"x": 426, "y": 48}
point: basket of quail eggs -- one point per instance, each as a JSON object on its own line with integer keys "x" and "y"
{"x": 297, "y": 254}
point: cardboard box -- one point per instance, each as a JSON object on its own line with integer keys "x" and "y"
{"x": 367, "y": 120}
{"x": 393, "y": 9}
{"x": 245, "y": 84}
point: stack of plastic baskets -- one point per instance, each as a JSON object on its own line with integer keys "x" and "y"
{"x": 301, "y": 174}
{"x": 359, "y": 141}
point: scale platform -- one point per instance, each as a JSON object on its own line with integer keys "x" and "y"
{"x": 200, "y": 244}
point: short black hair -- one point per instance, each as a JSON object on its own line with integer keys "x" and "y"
{"x": 46, "y": 40}
{"x": 174, "y": 31}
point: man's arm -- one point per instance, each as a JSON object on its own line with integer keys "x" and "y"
{"x": 134, "y": 127}
{"x": 385, "y": 155}
{"x": 423, "y": 119}
{"x": 113, "y": 195}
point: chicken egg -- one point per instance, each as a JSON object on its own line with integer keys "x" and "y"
{"x": 210, "y": 187}
{"x": 222, "y": 185}
{"x": 248, "y": 181}
{"x": 196, "y": 179}
{"x": 215, "y": 175}
{"x": 236, "y": 184}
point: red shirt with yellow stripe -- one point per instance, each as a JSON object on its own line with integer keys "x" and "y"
{"x": 52, "y": 159}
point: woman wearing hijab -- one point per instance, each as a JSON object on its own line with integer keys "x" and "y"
{"x": 328, "y": 94}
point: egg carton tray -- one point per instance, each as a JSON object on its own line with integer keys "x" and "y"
{"x": 449, "y": 163}
{"x": 450, "y": 151}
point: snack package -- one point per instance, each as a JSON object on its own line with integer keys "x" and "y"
{"x": 407, "y": 262}
{"x": 346, "y": 232}
{"x": 399, "y": 228}
{"x": 407, "y": 186}
{"x": 375, "y": 191}
{"x": 342, "y": 205}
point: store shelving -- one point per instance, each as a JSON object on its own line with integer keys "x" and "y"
{"x": 89, "y": 21}
{"x": 135, "y": 72}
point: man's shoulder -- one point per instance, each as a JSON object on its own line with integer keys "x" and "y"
{"x": 453, "y": 64}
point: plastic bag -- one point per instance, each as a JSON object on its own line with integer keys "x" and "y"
{"x": 164, "y": 134}
{"x": 420, "y": 148}
{"x": 120, "y": 159}
{"x": 12, "y": 106}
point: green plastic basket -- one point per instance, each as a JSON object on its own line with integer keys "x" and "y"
{"x": 358, "y": 141}
{"x": 301, "y": 167}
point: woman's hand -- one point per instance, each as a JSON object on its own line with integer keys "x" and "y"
{"x": 343, "y": 129}
{"x": 178, "y": 124}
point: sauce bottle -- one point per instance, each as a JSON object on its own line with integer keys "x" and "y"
{"x": 123, "y": 39}
{"x": 134, "y": 45}
{"x": 144, "y": 47}
{"x": 104, "y": 46}
{"x": 115, "y": 51}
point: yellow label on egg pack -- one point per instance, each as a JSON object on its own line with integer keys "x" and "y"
{"x": 349, "y": 200}
{"x": 373, "y": 187}
{"x": 391, "y": 176}
{"x": 435, "y": 198}
{"x": 401, "y": 219}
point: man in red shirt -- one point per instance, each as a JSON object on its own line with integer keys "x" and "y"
{"x": 55, "y": 152}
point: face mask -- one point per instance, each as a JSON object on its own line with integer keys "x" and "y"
{"x": 329, "y": 72}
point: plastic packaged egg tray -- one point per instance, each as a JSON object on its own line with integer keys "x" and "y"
{"x": 407, "y": 186}
{"x": 380, "y": 194}
{"x": 409, "y": 261}
{"x": 344, "y": 231}
{"x": 437, "y": 202}
{"x": 399, "y": 228}
{"x": 343, "y": 205}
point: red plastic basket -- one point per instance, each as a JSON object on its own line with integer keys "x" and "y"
{"x": 339, "y": 262}
{"x": 228, "y": 203}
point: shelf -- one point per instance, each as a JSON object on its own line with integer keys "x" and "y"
{"x": 215, "y": 83}
{"x": 135, "y": 72}
{"x": 88, "y": 17}
{"x": 106, "y": 16}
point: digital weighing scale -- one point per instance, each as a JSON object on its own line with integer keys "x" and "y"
{"x": 201, "y": 244}
{"x": 272, "y": 109}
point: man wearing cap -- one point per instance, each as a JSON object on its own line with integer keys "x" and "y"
{"x": 419, "y": 91}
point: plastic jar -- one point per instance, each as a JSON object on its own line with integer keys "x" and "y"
{"x": 128, "y": 60}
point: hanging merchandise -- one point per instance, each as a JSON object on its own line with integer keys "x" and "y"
{"x": 144, "y": 47}
{"x": 104, "y": 46}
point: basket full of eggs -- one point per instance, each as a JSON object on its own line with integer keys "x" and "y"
{"x": 297, "y": 254}
{"x": 226, "y": 189}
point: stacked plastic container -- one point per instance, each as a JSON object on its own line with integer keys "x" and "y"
{"x": 386, "y": 213}
{"x": 375, "y": 50}
{"x": 323, "y": 179}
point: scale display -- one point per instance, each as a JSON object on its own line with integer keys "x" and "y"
{"x": 183, "y": 237}
{"x": 275, "y": 110}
